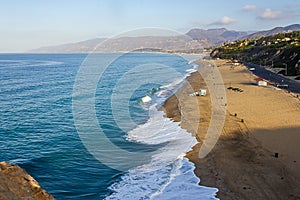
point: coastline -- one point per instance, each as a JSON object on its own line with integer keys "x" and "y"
{"x": 242, "y": 164}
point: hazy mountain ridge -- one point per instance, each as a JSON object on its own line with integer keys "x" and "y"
{"x": 215, "y": 36}
{"x": 123, "y": 44}
{"x": 78, "y": 47}
{"x": 274, "y": 31}
{"x": 193, "y": 39}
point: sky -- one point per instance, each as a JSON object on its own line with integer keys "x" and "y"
{"x": 31, "y": 24}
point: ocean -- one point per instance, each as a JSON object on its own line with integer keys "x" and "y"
{"x": 81, "y": 126}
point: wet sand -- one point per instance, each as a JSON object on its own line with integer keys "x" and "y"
{"x": 242, "y": 165}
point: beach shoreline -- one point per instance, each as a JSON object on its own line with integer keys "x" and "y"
{"x": 242, "y": 165}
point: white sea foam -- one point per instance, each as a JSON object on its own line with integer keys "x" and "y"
{"x": 179, "y": 81}
{"x": 171, "y": 88}
{"x": 169, "y": 175}
{"x": 191, "y": 70}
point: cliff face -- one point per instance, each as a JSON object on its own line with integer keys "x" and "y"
{"x": 16, "y": 183}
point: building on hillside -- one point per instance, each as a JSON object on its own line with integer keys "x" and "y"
{"x": 286, "y": 39}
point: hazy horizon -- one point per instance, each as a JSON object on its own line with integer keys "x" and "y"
{"x": 32, "y": 24}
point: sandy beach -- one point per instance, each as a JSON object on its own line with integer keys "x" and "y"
{"x": 260, "y": 122}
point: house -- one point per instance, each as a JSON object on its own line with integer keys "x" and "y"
{"x": 286, "y": 39}
{"x": 261, "y": 82}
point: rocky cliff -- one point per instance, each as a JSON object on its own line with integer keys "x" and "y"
{"x": 16, "y": 183}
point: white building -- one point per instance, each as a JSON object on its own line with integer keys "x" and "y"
{"x": 261, "y": 82}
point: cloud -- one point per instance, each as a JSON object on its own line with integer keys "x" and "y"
{"x": 249, "y": 7}
{"x": 224, "y": 21}
{"x": 273, "y": 14}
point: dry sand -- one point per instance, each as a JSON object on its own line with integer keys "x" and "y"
{"x": 242, "y": 164}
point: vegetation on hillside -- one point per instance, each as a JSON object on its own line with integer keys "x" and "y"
{"x": 277, "y": 51}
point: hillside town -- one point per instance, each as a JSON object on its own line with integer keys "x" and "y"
{"x": 281, "y": 51}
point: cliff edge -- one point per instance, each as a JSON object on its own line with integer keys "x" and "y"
{"x": 16, "y": 183}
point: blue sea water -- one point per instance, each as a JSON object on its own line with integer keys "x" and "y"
{"x": 38, "y": 132}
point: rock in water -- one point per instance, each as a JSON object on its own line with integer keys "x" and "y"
{"x": 16, "y": 183}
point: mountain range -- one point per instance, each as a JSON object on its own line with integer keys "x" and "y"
{"x": 196, "y": 39}
{"x": 274, "y": 31}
